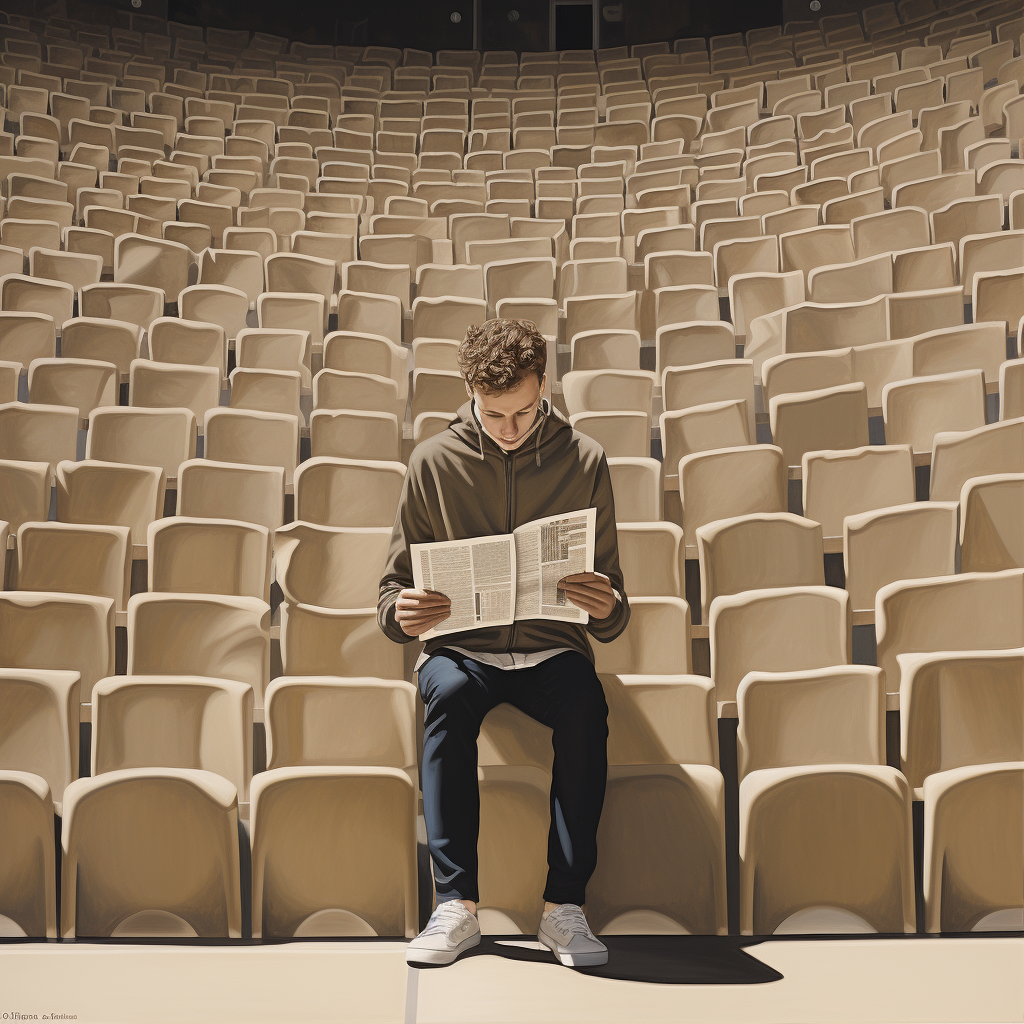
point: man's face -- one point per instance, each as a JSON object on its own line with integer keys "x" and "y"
{"x": 508, "y": 415}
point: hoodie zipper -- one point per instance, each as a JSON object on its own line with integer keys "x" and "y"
{"x": 510, "y": 478}
{"x": 509, "y": 487}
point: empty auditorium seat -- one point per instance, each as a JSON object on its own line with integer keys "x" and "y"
{"x": 782, "y": 629}
{"x": 758, "y": 551}
{"x": 151, "y": 852}
{"x": 967, "y": 612}
{"x": 972, "y": 861}
{"x": 42, "y": 630}
{"x": 200, "y": 634}
{"x": 959, "y": 709}
{"x": 75, "y": 559}
{"x": 183, "y": 721}
{"x": 193, "y": 555}
{"x": 992, "y": 523}
{"x": 28, "y": 890}
{"x": 900, "y": 542}
{"x": 823, "y": 838}
{"x": 41, "y": 709}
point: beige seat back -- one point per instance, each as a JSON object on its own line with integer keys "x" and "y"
{"x": 306, "y": 819}
{"x": 368, "y": 392}
{"x": 958, "y": 709}
{"x": 660, "y": 892}
{"x": 329, "y": 721}
{"x": 76, "y": 559}
{"x": 651, "y": 558}
{"x": 255, "y": 436}
{"x": 27, "y": 336}
{"x": 110, "y": 494}
{"x": 446, "y": 316}
{"x": 965, "y": 808}
{"x": 40, "y": 734}
{"x": 109, "y": 341}
{"x": 38, "y": 433}
{"x": 916, "y": 410}
{"x": 143, "y": 437}
{"x": 608, "y": 390}
{"x": 241, "y": 269}
{"x": 798, "y": 877}
{"x": 215, "y": 304}
{"x": 228, "y": 490}
{"x": 112, "y": 890}
{"x": 817, "y": 716}
{"x": 84, "y": 384}
{"x": 968, "y": 612}
{"x": 355, "y": 434}
{"x": 636, "y": 488}
{"x": 153, "y": 262}
{"x": 40, "y": 630}
{"x": 992, "y": 524}
{"x": 132, "y": 303}
{"x": 191, "y": 555}
{"x": 295, "y": 311}
{"x": 841, "y": 483}
{"x": 757, "y": 552}
{"x": 348, "y": 492}
{"x": 730, "y": 482}
{"x": 959, "y": 455}
{"x": 28, "y": 888}
{"x": 337, "y": 642}
{"x": 778, "y": 630}
{"x": 24, "y": 492}
{"x": 900, "y": 542}
{"x": 155, "y": 385}
{"x": 832, "y": 418}
{"x": 656, "y": 639}
{"x": 200, "y": 634}
{"x": 331, "y": 567}
{"x": 141, "y": 721}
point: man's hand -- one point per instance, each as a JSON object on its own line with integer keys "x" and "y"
{"x": 416, "y": 611}
{"x": 591, "y": 591}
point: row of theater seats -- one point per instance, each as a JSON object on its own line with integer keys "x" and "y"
{"x": 778, "y": 232}
{"x": 333, "y": 555}
{"x": 825, "y": 824}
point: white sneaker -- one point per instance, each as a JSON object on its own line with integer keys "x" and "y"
{"x": 566, "y": 933}
{"x": 451, "y": 930}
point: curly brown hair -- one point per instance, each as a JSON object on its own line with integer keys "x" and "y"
{"x": 498, "y": 354}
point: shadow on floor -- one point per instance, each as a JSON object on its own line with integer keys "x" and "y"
{"x": 654, "y": 959}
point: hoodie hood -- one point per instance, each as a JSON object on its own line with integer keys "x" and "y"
{"x": 466, "y": 427}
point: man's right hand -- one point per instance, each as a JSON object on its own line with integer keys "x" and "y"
{"x": 417, "y": 611}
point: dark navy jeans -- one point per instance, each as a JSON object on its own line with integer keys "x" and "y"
{"x": 562, "y": 692}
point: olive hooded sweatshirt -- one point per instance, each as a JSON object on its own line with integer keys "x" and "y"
{"x": 460, "y": 483}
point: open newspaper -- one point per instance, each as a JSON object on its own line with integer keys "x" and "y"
{"x": 492, "y": 581}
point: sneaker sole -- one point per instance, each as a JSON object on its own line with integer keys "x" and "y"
{"x": 574, "y": 959}
{"x": 441, "y": 956}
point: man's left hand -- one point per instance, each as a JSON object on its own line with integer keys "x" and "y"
{"x": 591, "y": 591}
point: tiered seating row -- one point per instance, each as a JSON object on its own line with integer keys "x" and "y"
{"x": 217, "y": 245}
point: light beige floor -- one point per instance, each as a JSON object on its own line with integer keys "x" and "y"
{"x": 878, "y": 980}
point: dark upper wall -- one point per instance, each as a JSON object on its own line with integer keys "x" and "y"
{"x": 643, "y": 21}
{"x": 427, "y": 25}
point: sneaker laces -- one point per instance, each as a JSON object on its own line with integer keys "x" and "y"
{"x": 445, "y": 915}
{"x": 570, "y": 918}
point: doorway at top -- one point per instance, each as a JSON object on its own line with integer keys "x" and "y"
{"x": 574, "y": 26}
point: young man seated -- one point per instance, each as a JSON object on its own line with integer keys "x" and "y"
{"x": 507, "y": 458}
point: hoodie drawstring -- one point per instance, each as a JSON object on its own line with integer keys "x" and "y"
{"x": 539, "y": 431}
